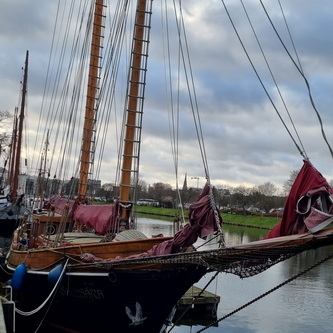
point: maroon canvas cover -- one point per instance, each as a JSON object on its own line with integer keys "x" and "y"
{"x": 97, "y": 217}
{"x": 59, "y": 204}
{"x": 202, "y": 223}
{"x": 308, "y": 186}
{"x": 202, "y": 217}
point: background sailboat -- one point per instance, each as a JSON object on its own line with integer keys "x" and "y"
{"x": 13, "y": 205}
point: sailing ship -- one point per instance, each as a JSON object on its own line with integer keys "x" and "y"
{"x": 116, "y": 278}
{"x": 12, "y": 204}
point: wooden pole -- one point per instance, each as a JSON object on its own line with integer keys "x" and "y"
{"x": 89, "y": 121}
{"x": 133, "y": 101}
{"x": 20, "y": 131}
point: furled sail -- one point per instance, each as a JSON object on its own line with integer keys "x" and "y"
{"x": 309, "y": 204}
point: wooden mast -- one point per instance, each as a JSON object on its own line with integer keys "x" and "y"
{"x": 12, "y": 150}
{"x": 20, "y": 131}
{"x": 90, "y": 115}
{"x": 135, "y": 100}
{"x": 42, "y": 171}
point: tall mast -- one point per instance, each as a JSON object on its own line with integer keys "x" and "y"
{"x": 87, "y": 151}
{"x": 12, "y": 150}
{"x": 137, "y": 81}
{"x": 20, "y": 131}
{"x": 42, "y": 170}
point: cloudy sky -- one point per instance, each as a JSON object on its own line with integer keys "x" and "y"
{"x": 246, "y": 142}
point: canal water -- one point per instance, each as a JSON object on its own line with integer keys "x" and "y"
{"x": 303, "y": 305}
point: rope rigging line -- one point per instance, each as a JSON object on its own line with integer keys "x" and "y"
{"x": 77, "y": 103}
{"x": 260, "y": 80}
{"x": 274, "y": 80}
{"x": 173, "y": 110}
{"x": 186, "y": 60}
{"x": 294, "y": 277}
{"x": 29, "y": 313}
{"x": 96, "y": 104}
{"x": 290, "y": 36}
{"x": 173, "y": 120}
{"x": 52, "y": 111}
{"x": 197, "y": 114}
{"x": 305, "y": 80}
{"x": 110, "y": 64}
{"x": 243, "y": 261}
{"x": 46, "y": 85}
{"x": 120, "y": 133}
{"x": 193, "y": 302}
{"x": 119, "y": 64}
{"x": 69, "y": 25}
{"x": 26, "y": 136}
{"x": 107, "y": 90}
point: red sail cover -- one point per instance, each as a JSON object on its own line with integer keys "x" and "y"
{"x": 203, "y": 216}
{"x": 95, "y": 217}
{"x": 309, "y": 198}
{"x": 202, "y": 223}
{"x": 59, "y": 204}
{"x": 101, "y": 218}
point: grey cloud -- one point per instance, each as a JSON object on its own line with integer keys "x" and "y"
{"x": 245, "y": 140}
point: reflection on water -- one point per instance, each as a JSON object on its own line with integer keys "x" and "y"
{"x": 153, "y": 226}
{"x": 305, "y": 304}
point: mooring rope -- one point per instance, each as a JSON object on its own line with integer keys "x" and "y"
{"x": 268, "y": 292}
{"x": 193, "y": 301}
{"x": 29, "y": 313}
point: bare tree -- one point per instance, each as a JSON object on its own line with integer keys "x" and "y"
{"x": 267, "y": 189}
{"x": 5, "y": 119}
{"x": 289, "y": 182}
{"x": 189, "y": 195}
{"x": 142, "y": 189}
{"x": 241, "y": 196}
{"x": 222, "y": 194}
{"x": 159, "y": 190}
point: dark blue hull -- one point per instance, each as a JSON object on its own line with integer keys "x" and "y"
{"x": 120, "y": 301}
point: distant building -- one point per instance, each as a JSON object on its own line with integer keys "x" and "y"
{"x": 94, "y": 185}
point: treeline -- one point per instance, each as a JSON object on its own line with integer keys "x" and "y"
{"x": 259, "y": 198}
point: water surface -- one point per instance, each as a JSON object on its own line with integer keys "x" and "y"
{"x": 303, "y": 305}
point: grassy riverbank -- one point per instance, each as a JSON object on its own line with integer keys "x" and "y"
{"x": 240, "y": 220}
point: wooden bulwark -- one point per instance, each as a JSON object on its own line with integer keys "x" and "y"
{"x": 47, "y": 258}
